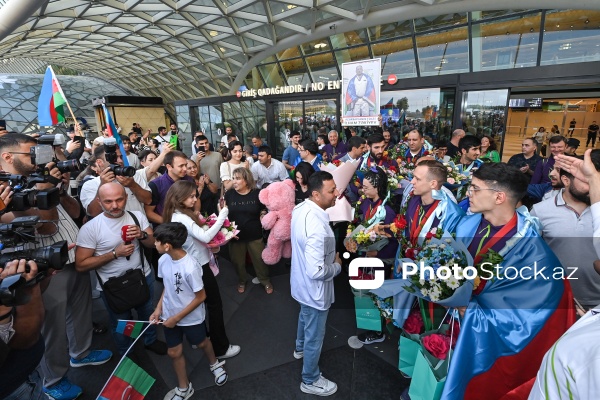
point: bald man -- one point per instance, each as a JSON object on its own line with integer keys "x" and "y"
{"x": 101, "y": 248}
{"x": 453, "y": 149}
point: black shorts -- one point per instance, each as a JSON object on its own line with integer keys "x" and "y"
{"x": 195, "y": 334}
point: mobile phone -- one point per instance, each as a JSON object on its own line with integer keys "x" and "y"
{"x": 3, "y": 123}
{"x": 244, "y": 158}
{"x": 80, "y": 139}
{"x": 173, "y": 140}
{"x": 201, "y": 149}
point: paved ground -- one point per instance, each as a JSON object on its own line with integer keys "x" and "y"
{"x": 265, "y": 327}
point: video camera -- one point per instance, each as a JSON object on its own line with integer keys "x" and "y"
{"x": 16, "y": 234}
{"x": 25, "y": 196}
{"x": 110, "y": 151}
{"x": 43, "y": 154}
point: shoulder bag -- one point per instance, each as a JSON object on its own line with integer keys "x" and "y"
{"x": 129, "y": 290}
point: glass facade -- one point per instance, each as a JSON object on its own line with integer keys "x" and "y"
{"x": 443, "y": 44}
{"x": 19, "y": 100}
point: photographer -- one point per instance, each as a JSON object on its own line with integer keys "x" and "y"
{"x": 136, "y": 187}
{"x": 21, "y": 345}
{"x": 68, "y": 299}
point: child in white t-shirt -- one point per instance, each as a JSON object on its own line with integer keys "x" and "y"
{"x": 181, "y": 306}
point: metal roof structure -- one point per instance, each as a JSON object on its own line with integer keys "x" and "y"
{"x": 180, "y": 49}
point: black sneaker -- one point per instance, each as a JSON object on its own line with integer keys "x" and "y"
{"x": 370, "y": 337}
{"x": 157, "y": 347}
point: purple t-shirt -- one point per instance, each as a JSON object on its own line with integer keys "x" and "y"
{"x": 486, "y": 231}
{"x": 339, "y": 149}
{"x": 389, "y": 251}
{"x": 413, "y": 203}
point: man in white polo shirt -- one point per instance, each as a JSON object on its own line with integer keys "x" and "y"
{"x": 268, "y": 170}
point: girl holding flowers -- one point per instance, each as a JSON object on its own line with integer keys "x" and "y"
{"x": 179, "y": 207}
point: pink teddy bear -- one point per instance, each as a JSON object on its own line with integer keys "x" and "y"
{"x": 279, "y": 197}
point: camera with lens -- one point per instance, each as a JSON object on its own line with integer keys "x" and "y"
{"x": 43, "y": 154}
{"x": 15, "y": 235}
{"x": 110, "y": 152}
{"x": 26, "y": 196}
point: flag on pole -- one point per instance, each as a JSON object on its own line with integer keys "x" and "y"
{"x": 129, "y": 381}
{"x": 389, "y": 104}
{"x": 130, "y": 328}
{"x": 51, "y": 100}
{"x": 112, "y": 131}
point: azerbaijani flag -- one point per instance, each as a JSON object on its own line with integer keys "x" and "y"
{"x": 51, "y": 100}
{"x": 130, "y": 328}
{"x": 112, "y": 130}
{"x": 128, "y": 381}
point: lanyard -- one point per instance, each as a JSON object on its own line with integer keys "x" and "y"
{"x": 372, "y": 209}
{"x": 481, "y": 251}
{"x": 415, "y": 230}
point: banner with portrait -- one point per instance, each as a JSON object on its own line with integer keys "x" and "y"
{"x": 361, "y": 87}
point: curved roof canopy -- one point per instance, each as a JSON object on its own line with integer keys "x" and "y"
{"x": 192, "y": 48}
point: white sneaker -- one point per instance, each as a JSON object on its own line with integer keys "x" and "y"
{"x": 232, "y": 351}
{"x": 178, "y": 394}
{"x": 298, "y": 355}
{"x": 321, "y": 387}
{"x": 255, "y": 280}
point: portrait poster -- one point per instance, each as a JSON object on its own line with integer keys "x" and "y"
{"x": 361, "y": 87}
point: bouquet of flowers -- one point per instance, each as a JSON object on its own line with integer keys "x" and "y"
{"x": 455, "y": 177}
{"x": 225, "y": 234}
{"x": 364, "y": 239}
{"x": 449, "y": 287}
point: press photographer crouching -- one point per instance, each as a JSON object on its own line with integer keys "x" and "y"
{"x": 40, "y": 191}
{"x": 108, "y": 165}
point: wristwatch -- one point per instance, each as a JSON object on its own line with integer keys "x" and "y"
{"x": 144, "y": 235}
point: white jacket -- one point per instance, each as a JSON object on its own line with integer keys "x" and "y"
{"x": 313, "y": 255}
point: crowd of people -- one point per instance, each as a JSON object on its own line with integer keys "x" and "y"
{"x": 151, "y": 219}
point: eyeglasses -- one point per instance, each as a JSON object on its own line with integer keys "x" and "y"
{"x": 19, "y": 152}
{"x": 471, "y": 189}
{"x": 300, "y": 150}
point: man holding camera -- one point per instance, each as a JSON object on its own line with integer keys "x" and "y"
{"x": 108, "y": 165}
{"x": 68, "y": 300}
{"x": 110, "y": 245}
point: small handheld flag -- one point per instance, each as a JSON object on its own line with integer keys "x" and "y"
{"x": 51, "y": 100}
{"x": 112, "y": 130}
{"x": 129, "y": 381}
{"x": 130, "y": 328}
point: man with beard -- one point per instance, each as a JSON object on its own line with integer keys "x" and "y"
{"x": 100, "y": 248}
{"x": 375, "y": 156}
{"x": 567, "y": 228}
{"x": 542, "y": 191}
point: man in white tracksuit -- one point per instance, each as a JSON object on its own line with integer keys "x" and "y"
{"x": 314, "y": 265}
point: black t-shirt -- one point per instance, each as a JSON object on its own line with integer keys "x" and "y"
{"x": 452, "y": 150}
{"x": 519, "y": 160}
{"x": 18, "y": 365}
{"x": 245, "y": 211}
{"x": 593, "y": 129}
{"x": 300, "y": 195}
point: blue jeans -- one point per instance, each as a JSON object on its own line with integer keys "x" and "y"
{"x": 143, "y": 313}
{"x": 309, "y": 339}
{"x": 31, "y": 389}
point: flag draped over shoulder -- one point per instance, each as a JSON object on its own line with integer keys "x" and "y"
{"x": 51, "y": 100}
{"x": 511, "y": 324}
{"x": 112, "y": 130}
{"x": 129, "y": 381}
{"x": 130, "y": 328}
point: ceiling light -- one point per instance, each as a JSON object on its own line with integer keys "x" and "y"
{"x": 320, "y": 45}
{"x": 565, "y": 46}
{"x": 437, "y": 68}
{"x": 444, "y": 61}
{"x": 213, "y": 33}
{"x": 222, "y": 49}
{"x": 291, "y": 6}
